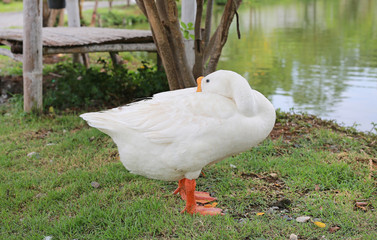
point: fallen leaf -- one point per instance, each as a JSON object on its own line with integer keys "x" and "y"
{"x": 334, "y": 229}
{"x": 211, "y": 205}
{"x": 260, "y": 213}
{"x": 51, "y": 110}
{"x": 273, "y": 175}
{"x": 320, "y": 224}
{"x": 317, "y": 188}
{"x": 362, "y": 204}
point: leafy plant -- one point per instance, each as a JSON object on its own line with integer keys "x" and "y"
{"x": 186, "y": 28}
{"x": 101, "y": 86}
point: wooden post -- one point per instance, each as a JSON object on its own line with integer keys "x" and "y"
{"x": 73, "y": 13}
{"x": 188, "y": 16}
{"x": 32, "y": 55}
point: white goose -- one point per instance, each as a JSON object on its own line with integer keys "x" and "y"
{"x": 173, "y": 135}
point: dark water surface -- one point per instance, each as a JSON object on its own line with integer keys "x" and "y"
{"x": 314, "y": 56}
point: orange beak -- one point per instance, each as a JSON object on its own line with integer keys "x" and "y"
{"x": 199, "y": 81}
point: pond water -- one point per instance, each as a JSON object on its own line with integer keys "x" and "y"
{"x": 313, "y": 56}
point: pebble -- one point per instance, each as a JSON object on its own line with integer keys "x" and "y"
{"x": 47, "y": 238}
{"x": 232, "y": 166}
{"x": 95, "y": 184}
{"x": 242, "y": 220}
{"x": 286, "y": 217}
{"x": 33, "y": 154}
{"x": 302, "y": 219}
{"x": 293, "y": 237}
{"x": 270, "y": 210}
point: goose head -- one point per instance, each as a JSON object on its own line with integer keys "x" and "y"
{"x": 233, "y": 86}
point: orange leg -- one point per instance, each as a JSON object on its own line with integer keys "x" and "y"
{"x": 187, "y": 186}
{"x": 181, "y": 188}
{"x": 201, "y": 197}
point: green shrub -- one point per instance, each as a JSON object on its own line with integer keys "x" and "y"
{"x": 104, "y": 86}
{"x": 111, "y": 19}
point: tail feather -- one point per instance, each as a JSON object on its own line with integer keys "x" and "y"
{"x": 104, "y": 122}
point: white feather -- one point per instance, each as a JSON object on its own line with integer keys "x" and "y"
{"x": 175, "y": 134}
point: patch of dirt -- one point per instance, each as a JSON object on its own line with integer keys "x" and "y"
{"x": 40, "y": 134}
{"x": 10, "y": 85}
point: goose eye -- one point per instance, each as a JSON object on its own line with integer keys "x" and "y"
{"x": 207, "y": 80}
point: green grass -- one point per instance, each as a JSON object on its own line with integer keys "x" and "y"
{"x": 11, "y": 7}
{"x": 321, "y": 168}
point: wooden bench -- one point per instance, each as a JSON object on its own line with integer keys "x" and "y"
{"x": 80, "y": 40}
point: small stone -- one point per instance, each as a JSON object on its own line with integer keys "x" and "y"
{"x": 33, "y": 154}
{"x": 270, "y": 210}
{"x": 64, "y": 131}
{"x": 275, "y": 208}
{"x": 39, "y": 195}
{"x": 287, "y": 218}
{"x": 232, "y": 166}
{"x": 95, "y": 184}
{"x": 293, "y": 237}
{"x": 50, "y": 144}
{"x": 302, "y": 219}
{"x": 47, "y": 238}
{"x": 242, "y": 220}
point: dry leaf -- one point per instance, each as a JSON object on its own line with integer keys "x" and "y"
{"x": 334, "y": 229}
{"x": 320, "y": 224}
{"x": 211, "y": 205}
{"x": 361, "y": 204}
{"x": 260, "y": 213}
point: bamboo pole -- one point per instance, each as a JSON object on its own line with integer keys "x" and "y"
{"x": 32, "y": 55}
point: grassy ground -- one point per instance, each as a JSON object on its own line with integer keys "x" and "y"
{"x": 307, "y": 167}
{"x": 11, "y": 7}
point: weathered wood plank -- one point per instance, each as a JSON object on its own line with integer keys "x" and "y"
{"x": 129, "y": 47}
{"x": 72, "y": 36}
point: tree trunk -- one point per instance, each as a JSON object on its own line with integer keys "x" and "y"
{"x": 167, "y": 35}
{"x": 163, "y": 19}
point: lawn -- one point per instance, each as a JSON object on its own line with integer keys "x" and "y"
{"x": 11, "y": 7}
{"x": 61, "y": 178}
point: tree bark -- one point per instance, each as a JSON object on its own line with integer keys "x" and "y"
{"x": 219, "y": 38}
{"x": 163, "y": 19}
{"x": 198, "y": 45}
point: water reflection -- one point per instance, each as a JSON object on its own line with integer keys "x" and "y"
{"x": 317, "y": 56}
